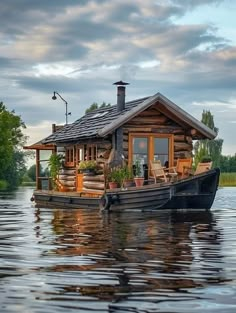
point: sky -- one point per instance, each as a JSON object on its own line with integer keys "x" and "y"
{"x": 184, "y": 49}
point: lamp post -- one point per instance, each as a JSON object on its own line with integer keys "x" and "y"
{"x": 54, "y": 98}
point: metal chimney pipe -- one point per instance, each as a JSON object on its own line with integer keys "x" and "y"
{"x": 120, "y": 95}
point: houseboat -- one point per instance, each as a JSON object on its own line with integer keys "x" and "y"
{"x": 127, "y": 135}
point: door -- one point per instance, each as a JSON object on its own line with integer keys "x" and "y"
{"x": 151, "y": 147}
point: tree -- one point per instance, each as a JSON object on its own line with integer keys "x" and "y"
{"x": 12, "y": 139}
{"x": 31, "y": 172}
{"x": 228, "y": 163}
{"x": 208, "y": 148}
{"x": 95, "y": 106}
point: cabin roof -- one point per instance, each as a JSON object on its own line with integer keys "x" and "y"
{"x": 104, "y": 121}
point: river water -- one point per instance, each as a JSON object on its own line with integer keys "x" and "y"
{"x": 54, "y": 260}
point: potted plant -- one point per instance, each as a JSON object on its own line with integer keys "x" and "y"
{"x": 88, "y": 167}
{"x": 138, "y": 179}
{"x": 128, "y": 176}
{"x": 115, "y": 177}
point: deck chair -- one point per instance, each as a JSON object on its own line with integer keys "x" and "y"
{"x": 157, "y": 171}
{"x": 182, "y": 168}
{"x": 203, "y": 167}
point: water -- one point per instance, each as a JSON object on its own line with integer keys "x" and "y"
{"x": 84, "y": 261}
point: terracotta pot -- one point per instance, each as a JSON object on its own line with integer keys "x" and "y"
{"x": 128, "y": 183}
{"x": 139, "y": 181}
{"x": 113, "y": 185}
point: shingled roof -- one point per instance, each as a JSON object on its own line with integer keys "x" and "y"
{"x": 104, "y": 121}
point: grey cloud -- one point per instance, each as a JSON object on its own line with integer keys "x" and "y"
{"x": 194, "y": 3}
{"x": 88, "y": 30}
{"x": 103, "y": 44}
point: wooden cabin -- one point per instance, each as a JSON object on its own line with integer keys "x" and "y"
{"x": 148, "y": 128}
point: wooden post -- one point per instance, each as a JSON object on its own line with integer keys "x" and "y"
{"x": 79, "y": 185}
{"x": 37, "y": 170}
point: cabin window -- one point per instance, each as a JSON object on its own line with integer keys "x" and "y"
{"x": 151, "y": 147}
{"x": 69, "y": 157}
{"x": 79, "y": 153}
{"x": 90, "y": 152}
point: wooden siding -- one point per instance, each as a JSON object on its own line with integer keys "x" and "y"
{"x": 152, "y": 121}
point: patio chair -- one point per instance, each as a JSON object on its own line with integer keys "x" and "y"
{"x": 203, "y": 167}
{"x": 157, "y": 171}
{"x": 182, "y": 168}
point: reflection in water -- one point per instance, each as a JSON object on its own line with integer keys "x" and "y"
{"x": 137, "y": 253}
{"x": 83, "y": 260}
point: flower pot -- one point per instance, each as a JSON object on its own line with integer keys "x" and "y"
{"x": 113, "y": 185}
{"x": 139, "y": 181}
{"x": 128, "y": 183}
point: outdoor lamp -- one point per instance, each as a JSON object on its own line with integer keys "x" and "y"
{"x": 54, "y": 97}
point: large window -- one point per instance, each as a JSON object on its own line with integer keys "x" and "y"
{"x": 161, "y": 150}
{"x": 140, "y": 149}
{"x": 82, "y": 152}
{"x": 151, "y": 147}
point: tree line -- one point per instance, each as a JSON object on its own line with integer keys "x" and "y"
{"x": 212, "y": 149}
{"x": 12, "y": 156}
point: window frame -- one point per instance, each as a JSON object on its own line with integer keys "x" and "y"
{"x": 150, "y": 143}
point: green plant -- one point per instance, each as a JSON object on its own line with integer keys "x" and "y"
{"x": 55, "y": 163}
{"x": 87, "y": 165}
{"x": 127, "y": 172}
{"x": 206, "y": 159}
{"x": 116, "y": 174}
{"x": 137, "y": 166}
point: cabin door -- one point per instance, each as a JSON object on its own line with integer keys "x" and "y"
{"x": 161, "y": 150}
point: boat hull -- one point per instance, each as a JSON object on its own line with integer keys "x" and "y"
{"x": 196, "y": 192}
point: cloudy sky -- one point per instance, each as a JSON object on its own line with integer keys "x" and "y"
{"x": 185, "y": 49}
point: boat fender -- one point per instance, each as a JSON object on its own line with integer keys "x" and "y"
{"x": 32, "y": 198}
{"x": 105, "y": 202}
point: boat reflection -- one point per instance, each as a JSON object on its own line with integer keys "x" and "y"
{"x": 137, "y": 252}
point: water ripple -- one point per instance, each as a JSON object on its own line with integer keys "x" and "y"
{"x": 55, "y": 260}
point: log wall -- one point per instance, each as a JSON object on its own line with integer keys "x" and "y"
{"x": 153, "y": 121}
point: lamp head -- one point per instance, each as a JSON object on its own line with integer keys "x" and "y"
{"x": 54, "y": 96}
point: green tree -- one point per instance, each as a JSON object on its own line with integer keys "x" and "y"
{"x": 228, "y": 164}
{"x": 95, "y": 106}
{"x": 208, "y": 148}
{"x": 12, "y": 139}
{"x": 31, "y": 172}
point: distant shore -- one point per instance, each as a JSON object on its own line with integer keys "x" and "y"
{"x": 227, "y": 180}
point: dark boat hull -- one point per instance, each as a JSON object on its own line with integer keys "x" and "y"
{"x": 196, "y": 192}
